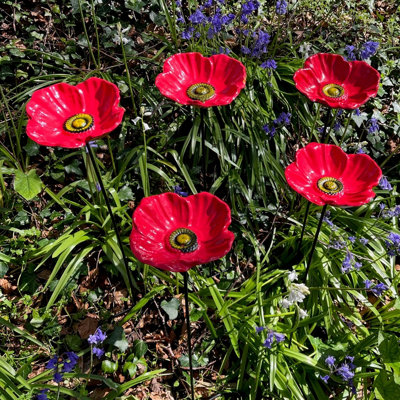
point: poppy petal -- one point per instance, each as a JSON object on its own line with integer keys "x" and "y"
{"x": 209, "y": 215}
{"x": 161, "y": 213}
{"x": 318, "y": 160}
{"x": 328, "y": 68}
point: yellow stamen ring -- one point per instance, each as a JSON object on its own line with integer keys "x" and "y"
{"x": 330, "y": 185}
{"x": 332, "y": 90}
{"x": 183, "y": 240}
{"x": 201, "y": 91}
{"x": 78, "y": 123}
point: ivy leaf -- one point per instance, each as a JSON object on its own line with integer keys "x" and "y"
{"x": 386, "y": 388}
{"x": 171, "y": 307}
{"x": 118, "y": 339}
{"x": 28, "y": 185}
{"x": 140, "y": 348}
{"x": 109, "y": 367}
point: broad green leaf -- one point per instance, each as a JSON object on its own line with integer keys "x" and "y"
{"x": 171, "y": 307}
{"x": 28, "y": 185}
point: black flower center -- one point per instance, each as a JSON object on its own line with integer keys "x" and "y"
{"x": 183, "y": 240}
{"x": 330, "y": 185}
{"x": 78, "y": 123}
{"x": 200, "y": 91}
{"x": 333, "y": 90}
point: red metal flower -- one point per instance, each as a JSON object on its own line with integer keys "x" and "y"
{"x": 325, "y": 174}
{"x": 176, "y": 233}
{"x": 331, "y": 80}
{"x": 70, "y": 116}
{"x": 191, "y": 79}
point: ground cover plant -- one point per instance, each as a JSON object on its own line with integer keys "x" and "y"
{"x": 285, "y": 281}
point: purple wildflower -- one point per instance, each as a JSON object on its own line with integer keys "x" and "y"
{"x": 345, "y": 372}
{"x": 357, "y": 112}
{"x": 349, "y": 49}
{"x": 188, "y": 33}
{"x": 97, "y": 352}
{"x": 42, "y": 395}
{"x": 330, "y": 361}
{"x": 270, "y": 64}
{"x": 259, "y": 329}
{"x": 373, "y": 125}
{"x": 269, "y": 340}
{"x": 364, "y": 241}
{"x": 360, "y": 151}
{"x": 58, "y": 377}
{"x": 384, "y": 184}
{"x": 52, "y": 363}
{"x": 368, "y": 49}
{"x": 379, "y": 289}
{"x": 325, "y": 378}
{"x": 281, "y": 7}
{"x": 269, "y": 130}
{"x": 197, "y": 18}
{"x": 367, "y": 283}
{"x": 347, "y": 262}
{"x": 98, "y": 337}
{"x": 178, "y": 190}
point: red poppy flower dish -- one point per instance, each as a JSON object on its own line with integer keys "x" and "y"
{"x": 331, "y": 80}
{"x": 325, "y": 174}
{"x": 176, "y": 233}
{"x": 191, "y": 79}
{"x": 70, "y": 116}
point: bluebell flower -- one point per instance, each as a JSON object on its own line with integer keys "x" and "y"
{"x": 360, "y": 151}
{"x": 367, "y": 283}
{"x": 227, "y": 19}
{"x": 347, "y": 262}
{"x": 188, "y": 33}
{"x": 345, "y": 372}
{"x": 73, "y": 360}
{"x": 248, "y": 7}
{"x": 325, "y": 378}
{"x": 284, "y": 118}
{"x": 271, "y": 64}
{"x": 98, "y": 337}
{"x": 208, "y": 3}
{"x": 357, "y": 112}
{"x": 279, "y": 337}
{"x": 349, "y": 49}
{"x": 378, "y": 289}
{"x": 350, "y": 360}
{"x": 269, "y": 130}
{"x": 364, "y": 241}
{"x": 262, "y": 40}
{"x": 384, "y": 184}
{"x": 281, "y": 7}
{"x": 368, "y": 49}
{"x": 197, "y": 18}
{"x": 245, "y": 50}
{"x": 382, "y": 206}
{"x": 259, "y": 329}
{"x": 337, "y": 244}
{"x": 42, "y": 395}
{"x": 352, "y": 239}
{"x": 373, "y": 125}
{"x": 180, "y": 18}
{"x": 357, "y": 266}
{"x": 52, "y": 363}
{"x": 337, "y": 126}
{"x": 58, "y": 377}
{"x": 178, "y": 3}
{"x": 269, "y": 340}
{"x": 330, "y": 361}
{"x": 98, "y": 352}
{"x": 340, "y": 112}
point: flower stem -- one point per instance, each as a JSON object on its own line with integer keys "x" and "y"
{"x": 315, "y": 239}
{"x": 203, "y": 146}
{"x": 304, "y": 223}
{"x": 103, "y": 190}
{"x": 189, "y": 336}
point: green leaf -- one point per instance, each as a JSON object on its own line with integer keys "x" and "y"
{"x": 27, "y": 185}
{"x": 125, "y": 193}
{"x": 3, "y": 269}
{"x": 171, "y": 307}
{"x": 389, "y": 348}
{"x": 118, "y": 339}
{"x": 386, "y": 388}
{"x": 108, "y": 366}
{"x": 74, "y": 342}
{"x": 31, "y": 148}
{"x": 139, "y": 348}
